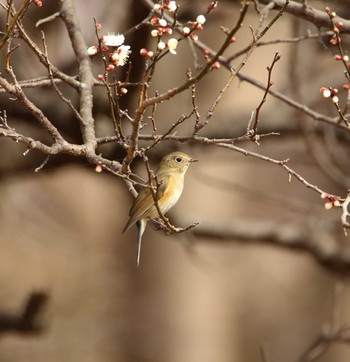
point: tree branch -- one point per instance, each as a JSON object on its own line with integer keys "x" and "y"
{"x": 87, "y": 124}
{"x": 319, "y": 243}
{"x": 317, "y": 17}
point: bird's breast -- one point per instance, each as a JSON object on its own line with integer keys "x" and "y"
{"x": 171, "y": 194}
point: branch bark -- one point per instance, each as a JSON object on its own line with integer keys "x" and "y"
{"x": 317, "y": 17}
{"x": 87, "y": 124}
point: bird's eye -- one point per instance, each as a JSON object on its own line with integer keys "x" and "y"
{"x": 178, "y": 159}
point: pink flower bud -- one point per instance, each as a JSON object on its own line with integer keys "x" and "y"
{"x": 154, "y": 21}
{"x": 110, "y": 67}
{"x": 336, "y": 203}
{"x": 334, "y": 91}
{"x": 98, "y": 26}
{"x": 100, "y": 77}
{"x": 123, "y": 90}
{"x": 338, "y": 57}
{"x": 150, "y": 54}
{"x": 324, "y": 195}
{"x": 157, "y": 7}
{"x": 233, "y": 39}
{"x": 216, "y": 65}
{"x": 143, "y": 52}
{"x": 186, "y": 30}
{"x": 194, "y": 37}
{"x": 328, "y": 205}
{"x": 92, "y": 50}
{"x": 168, "y": 31}
{"x": 98, "y": 168}
{"x": 212, "y": 5}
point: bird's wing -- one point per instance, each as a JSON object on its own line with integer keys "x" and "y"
{"x": 144, "y": 201}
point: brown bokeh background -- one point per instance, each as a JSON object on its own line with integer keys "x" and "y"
{"x": 192, "y": 299}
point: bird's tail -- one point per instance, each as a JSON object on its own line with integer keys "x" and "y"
{"x": 141, "y": 225}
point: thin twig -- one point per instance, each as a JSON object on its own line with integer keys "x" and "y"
{"x": 54, "y": 85}
{"x": 47, "y": 19}
{"x": 253, "y": 131}
{"x": 13, "y": 21}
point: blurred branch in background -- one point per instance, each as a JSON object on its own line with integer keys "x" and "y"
{"x": 314, "y": 239}
{"x": 29, "y": 320}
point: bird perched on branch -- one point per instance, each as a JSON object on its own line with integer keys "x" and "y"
{"x": 169, "y": 180}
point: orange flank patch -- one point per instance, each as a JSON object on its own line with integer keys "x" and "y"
{"x": 168, "y": 192}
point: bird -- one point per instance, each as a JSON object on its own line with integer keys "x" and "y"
{"x": 170, "y": 182}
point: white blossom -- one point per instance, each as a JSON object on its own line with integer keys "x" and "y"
{"x": 172, "y": 44}
{"x": 120, "y": 56}
{"x": 186, "y": 30}
{"x": 161, "y": 45}
{"x": 162, "y": 22}
{"x": 113, "y": 40}
{"x": 201, "y": 19}
{"x": 326, "y": 93}
{"x": 172, "y": 6}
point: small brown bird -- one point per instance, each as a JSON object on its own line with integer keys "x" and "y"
{"x": 170, "y": 178}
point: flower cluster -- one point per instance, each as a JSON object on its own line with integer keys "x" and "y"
{"x": 336, "y": 28}
{"x": 162, "y": 28}
{"x": 330, "y": 92}
{"x": 345, "y": 58}
{"x": 340, "y": 56}
{"x": 332, "y": 200}
{"x": 336, "y": 40}
{"x": 115, "y": 51}
{"x": 198, "y": 23}
{"x": 169, "y": 5}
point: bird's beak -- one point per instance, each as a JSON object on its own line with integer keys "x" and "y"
{"x": 193, "y": 160}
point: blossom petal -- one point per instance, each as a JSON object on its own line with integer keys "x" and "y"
{"x": 113, "y": 40}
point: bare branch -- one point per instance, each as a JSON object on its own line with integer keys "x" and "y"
{"x": 317, "y": 17}
{"x": 17, "y": 91}
{"x": 13, "y": 21}
{"x": 28, "y": 321}
{"x": 253, "y": 131}
{"x": 71, "y": 21}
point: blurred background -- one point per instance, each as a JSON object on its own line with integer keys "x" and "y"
{"x": 193, "y": 298}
